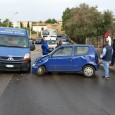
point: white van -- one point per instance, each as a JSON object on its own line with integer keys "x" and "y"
{"x": 51, "y": 42}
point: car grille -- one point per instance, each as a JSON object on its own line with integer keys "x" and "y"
{"x": 14, "y": 58}
{"x": 14, "y": 66}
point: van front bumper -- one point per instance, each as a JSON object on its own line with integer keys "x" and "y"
{"x": 14, "y": 66}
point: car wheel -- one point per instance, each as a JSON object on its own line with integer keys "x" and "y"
{"x": 40, "y": 70}
{"x": 88, "y": 71}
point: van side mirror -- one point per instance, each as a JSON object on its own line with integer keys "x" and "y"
{"x": 32, "y": 47}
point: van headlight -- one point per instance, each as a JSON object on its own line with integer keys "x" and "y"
{"x": 27, "y": 57}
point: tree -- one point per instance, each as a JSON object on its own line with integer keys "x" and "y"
{"x": 54, "y": 21}
{"x": 112, "y": 29}
{"x": 85, "y": 21}
{"x": 0, "y": 23}
{"x": 21, "y": 25}
{"x": 40, "y": 21}
{"x": 66, "y": 16}
{"x": 28, "y": 25}
{"x": 6, "y": 23}
{"x": 51, "y": 21}
{"x": 108, "y": 19}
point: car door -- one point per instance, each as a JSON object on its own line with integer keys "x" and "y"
{"x": 61, "y": 60}
{"x": 80, "y": 57}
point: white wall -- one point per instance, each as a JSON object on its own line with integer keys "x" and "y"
{"x": 39, "y": 28}
{"x": 16, "y": 24}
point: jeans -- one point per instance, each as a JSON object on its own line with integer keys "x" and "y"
{"x": 106, "y": 68}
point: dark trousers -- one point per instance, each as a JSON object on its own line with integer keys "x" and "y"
{"x": 113, "y": 58}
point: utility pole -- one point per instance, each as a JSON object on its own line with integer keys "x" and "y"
{"x": 37, "y": 28}
{"x": 30, "y": 24}
{"x": 11, "y": 18}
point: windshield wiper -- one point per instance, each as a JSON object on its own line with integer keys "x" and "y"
{"x": 3, "y": 45}
{"x": 17, "y": 46}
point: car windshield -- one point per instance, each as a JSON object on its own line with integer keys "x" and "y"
{"x": 51, "y": 42}
{"x": 13, "y": 41}
{"x": 64, "y": 40}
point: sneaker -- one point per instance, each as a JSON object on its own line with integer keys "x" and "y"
{"x": 103, "y": 77}
{"x": 107, "y": 78}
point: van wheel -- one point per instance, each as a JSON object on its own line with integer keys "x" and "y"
{"x": 40, "y": 71}
{"x": 88, "y": 71}
{"x": 28, "y": 68}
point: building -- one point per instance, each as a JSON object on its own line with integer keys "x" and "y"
{"x": 38, "y": 27}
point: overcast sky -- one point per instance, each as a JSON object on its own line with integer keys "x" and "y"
{"x": 36, "y": 10}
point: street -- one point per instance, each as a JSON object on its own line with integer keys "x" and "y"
{"x": 56, "y": 93}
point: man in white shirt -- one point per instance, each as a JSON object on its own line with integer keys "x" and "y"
{"x": 107, "y": 36}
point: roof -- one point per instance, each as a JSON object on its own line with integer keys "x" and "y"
{"x": 77, "y": 45}
{"x": 13, "y": 31}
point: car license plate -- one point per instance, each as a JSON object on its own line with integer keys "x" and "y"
{"x": 9, "y": 65}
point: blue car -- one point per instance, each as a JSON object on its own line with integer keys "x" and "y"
{"x": 68, "y": 58}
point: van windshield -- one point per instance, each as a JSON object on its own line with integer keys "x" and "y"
{"x": 14, "y": 41}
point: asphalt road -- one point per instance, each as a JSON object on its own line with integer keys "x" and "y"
{"x": 56, "y": 94}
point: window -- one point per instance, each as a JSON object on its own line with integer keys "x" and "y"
{"x": 64, "y": 51}
{"x": 81, "y": 50}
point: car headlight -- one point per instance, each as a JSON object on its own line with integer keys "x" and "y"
{"x": 27, "y": 57}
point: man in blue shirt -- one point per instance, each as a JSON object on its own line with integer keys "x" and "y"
{"x": 45, "y": 49}
{"x": 106, "y": 57}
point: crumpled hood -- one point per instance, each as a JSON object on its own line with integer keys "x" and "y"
{"x": 41, "y": 57}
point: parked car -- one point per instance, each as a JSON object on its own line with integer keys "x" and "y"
{"x": 38, "y": 41}
{"x": 68, "y": 58}
{"x": 32, "y": 45}
{"x": 65, "y": 41}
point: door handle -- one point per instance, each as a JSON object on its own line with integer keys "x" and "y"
{"x": 70, "y": 59}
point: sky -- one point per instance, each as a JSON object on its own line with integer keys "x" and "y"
{"x": 41, "y": 10}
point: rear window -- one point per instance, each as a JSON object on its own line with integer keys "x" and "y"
{"x": 81, "y": 50}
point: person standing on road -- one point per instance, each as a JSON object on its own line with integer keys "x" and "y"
{"x": 45, "y": 49}
{"x": 107, "y": 36}
{"x": 113, "y": 56}
{"x": 59, "y": 43}
{"x": 106, "y": 57}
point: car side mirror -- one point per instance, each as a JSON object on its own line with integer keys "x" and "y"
{"x": 32, "y": 47}
{"x": 50, "y": 56}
